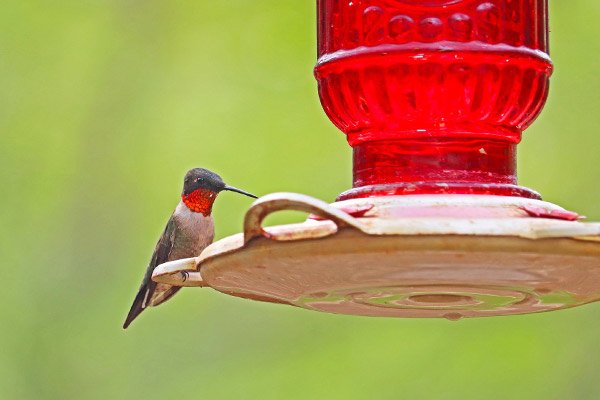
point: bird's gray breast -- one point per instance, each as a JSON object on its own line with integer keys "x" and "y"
{"x": 193, "y": 233}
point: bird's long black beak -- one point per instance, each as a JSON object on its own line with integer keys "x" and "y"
{"x": 233, "y": 189}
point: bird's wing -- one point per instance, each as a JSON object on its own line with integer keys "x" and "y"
{"x": 151, "y": 293}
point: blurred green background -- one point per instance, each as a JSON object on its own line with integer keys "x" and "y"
{"x": 104, "y": 104}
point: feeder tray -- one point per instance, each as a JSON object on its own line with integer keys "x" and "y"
{"x": 405, "y": 256}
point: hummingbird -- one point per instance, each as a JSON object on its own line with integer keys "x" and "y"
{"x": 189, "y": 231}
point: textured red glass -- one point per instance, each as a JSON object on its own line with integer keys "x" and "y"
{"x": 433, "y": 95}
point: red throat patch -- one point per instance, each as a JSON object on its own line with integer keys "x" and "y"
{"x": 200, "y": 201}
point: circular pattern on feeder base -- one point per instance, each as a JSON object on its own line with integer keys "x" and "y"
{"x": 437, "y": 301}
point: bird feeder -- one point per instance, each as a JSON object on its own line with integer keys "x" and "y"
{"x": 433, "y": 96}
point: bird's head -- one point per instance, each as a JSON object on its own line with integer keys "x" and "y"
{"x": 201, "y": 187}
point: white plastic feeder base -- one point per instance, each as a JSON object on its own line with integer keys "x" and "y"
{"x": 405, "y": 256}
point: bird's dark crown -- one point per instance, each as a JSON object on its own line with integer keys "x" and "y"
{"x": 200, "y": 178}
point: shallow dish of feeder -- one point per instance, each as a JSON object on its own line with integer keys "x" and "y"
{"x": 405, "y": 256}
{"x": 433, "y": 97}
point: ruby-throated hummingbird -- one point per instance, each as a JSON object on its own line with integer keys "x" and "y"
{"x": 189, "y": 231}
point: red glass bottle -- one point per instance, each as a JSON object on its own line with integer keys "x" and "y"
{"x": 433, "y": 95}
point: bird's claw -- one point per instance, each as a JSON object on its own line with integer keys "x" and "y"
{"x": 184, "y": 275}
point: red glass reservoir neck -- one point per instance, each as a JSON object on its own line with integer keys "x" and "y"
{"x": 435, "y": 166}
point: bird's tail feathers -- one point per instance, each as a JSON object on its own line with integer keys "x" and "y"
{"x": 140, "y": 303}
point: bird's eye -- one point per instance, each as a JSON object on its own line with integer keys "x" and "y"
{"x": 197, "y": 180}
